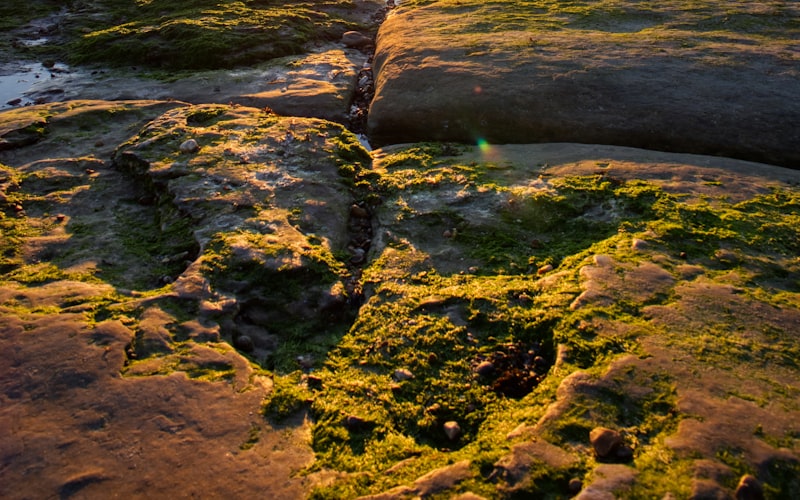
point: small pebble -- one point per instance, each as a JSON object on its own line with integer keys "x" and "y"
{"x": 244, "y": 343}
{"x": 452, "y": 430}
{"x": 354, "y": 39}
{"x": 357, "y": 211}
{"x": 305, "y": 360}
{"x": 605, "y": 441}
{"x": 575, "y": 486}
{"x": 484, "y": 368}
{"x": 189, "y": 146}
{"x": 403, "y": 374}
{"x": 354, "y": 422}
{"x": 358, "y": 256}
{"x": 544, "y": 269}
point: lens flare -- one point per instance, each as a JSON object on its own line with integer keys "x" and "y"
{"x": 484, "y": 145}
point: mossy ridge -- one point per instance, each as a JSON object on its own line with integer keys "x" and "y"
{"x": 204, "y": 34}
{"x": 409, "y": 297}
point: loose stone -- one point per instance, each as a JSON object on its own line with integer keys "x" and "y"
{"x": 357, "y": 211}
{"x": 189, "y": 146}
{"x": 484, "y": 368}
{"x": 544, "y": 269}
{"x": 355, "y": 40}
{"x": 605, "y": 441}
{"x": 305, "y": 361}
{"x": 403, "y": 374}
{"x": 575, "y": 485}
{"x": 359, "y": 256}
{"x": 244, "y": 343}
{"x": 354, "y": 422}
{"x": 452, "y": 430}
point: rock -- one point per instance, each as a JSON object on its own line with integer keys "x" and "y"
{"x": 153, "y": 336}
{"x": 605, "y": 442}
{"x": 639, "y": 244}
{"x": 358, "y": 256}
{"x": 305, "y": 361}
{"x": 516, "y": 468}
{"x": 575, "y": 485}
{"x": 189, "y": 146}
{"x": 469, "y": 496}
{"x": 452, "y": 430}
{"x": 355, "y": 423}
{"x": 244, "y": 343}
{"x": 358, "y": 211}
{"x": 484, "y": 368}
{"x": 81, "y": 481}
{"x": 428, "y": 89}
{"x": 624, "y": 453}
{"x": 355, "y": 40}
{"x": 544, "y": 269}
{"x": 402, "y": 374}
{"x": 749, "y": 488}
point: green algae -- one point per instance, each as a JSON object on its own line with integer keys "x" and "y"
{"x": 203, "y": 34}
{"x": 437, "y": 325}
{"x": 438, "y": 322}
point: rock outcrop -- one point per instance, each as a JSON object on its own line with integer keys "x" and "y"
{"x": 670, "y": 78}
{"x": 214, "y": 299}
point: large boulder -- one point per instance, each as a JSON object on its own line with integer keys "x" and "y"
{"x": 711, "y": 80}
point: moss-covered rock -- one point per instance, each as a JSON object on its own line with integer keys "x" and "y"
{"x": 533, "y": 294}
{"x": 200, "y": 34}
{"x": 450, "y": 320}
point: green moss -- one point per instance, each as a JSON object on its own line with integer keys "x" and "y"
{"x": 252, "y": 438}
{"x": 204, "y": 33}
{"x": 289, "y": 395}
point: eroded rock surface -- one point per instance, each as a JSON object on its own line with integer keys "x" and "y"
{"x": 148, "y": 371}
{"x": 260, "y": 263}
{"x": 215, "y": 300}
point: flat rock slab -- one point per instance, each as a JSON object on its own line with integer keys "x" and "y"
{"x": 702, "y": 77}
{"x": 534, "y": 293}
{"x": 170, "y": 273}
{"x": 319, "y": 84}
{"x": 112, "y": 386}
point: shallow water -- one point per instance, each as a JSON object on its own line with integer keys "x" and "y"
{"x": 17, "y": 79}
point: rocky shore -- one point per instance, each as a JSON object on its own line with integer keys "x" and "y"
{"x": 583, "y": 283}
